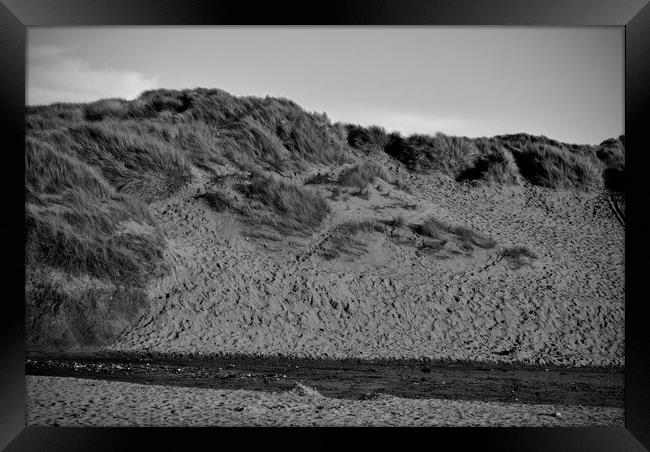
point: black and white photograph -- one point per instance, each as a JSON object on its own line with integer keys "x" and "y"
{"x": 325, "y": 226}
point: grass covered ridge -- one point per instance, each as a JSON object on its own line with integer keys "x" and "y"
{"x": 241, "y": 130}
{"x": 505, "y": 159}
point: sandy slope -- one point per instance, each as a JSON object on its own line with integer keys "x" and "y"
{"x": 73, "y": 401}
{"x": 233, "y": 293}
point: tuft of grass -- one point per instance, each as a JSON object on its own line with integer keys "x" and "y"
{"x": 439, "y": 230}
{"x": 245, "y": 141}
{"x": 397, "y": 221}
{"x": 106, "y": 109}
{"x": 367, "y": 139}
{"x": 39, "y": 118}
{"x": 344, "y": 241}
{"x": 82, "y": 238}
{"x": 50, "y": 172}
{"x": 149, "y": 104}
{"x": 495, "y": 165}
{"x": 217, "y": 200}
{"x": 283, "y": 206}
{"x": 432, "y": 227}
{"x": 318, "y": 179}
{"x": 469, "y": 236}
{"x": 362, "y": 174}
{"x": 419, "y": 152}
{"x": 612, "y": 155}
{"x": 552, "y": 164}
{"x": 518, "y": 257}
{"x": 140, "y": 165}
{"x": 402, "y": 185}
{"x": 426, "y": 154}
{"x": 556, "y": 168}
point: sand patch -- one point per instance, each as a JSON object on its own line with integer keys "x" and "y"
{"x": 72, "y": 401}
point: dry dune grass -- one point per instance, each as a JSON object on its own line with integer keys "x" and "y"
{"x": 362, "y": 174}
{"x": 495, "y": 164}
{"x": 549, "y": 167}
{"x": 77, "y": 224}
{"x": 442, "y": 153}
{"x": 139, "y": 164}
{"x": 369, "y": 140}
{"x": 74, "y": 220}
{"x": 518, "y": 256}
{"x": 345, "y": 241}
{"x": 442, "y": 231}
{"x": 281, "y": 205}
{"x": 501, "y": 159}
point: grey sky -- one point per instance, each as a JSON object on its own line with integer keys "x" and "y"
{"x": 566, "y": 83}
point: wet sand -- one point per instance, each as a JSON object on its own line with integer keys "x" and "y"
{"x": 348, "y": 379}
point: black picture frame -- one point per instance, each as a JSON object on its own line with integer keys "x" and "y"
{"x": 634, "y": 15}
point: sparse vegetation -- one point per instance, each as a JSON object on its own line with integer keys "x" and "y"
{"x": 282, "y": 205}
{"x": 401, "y": 185}
{"x": 362, "y": 174}
{"x": 518, "y": 257}
{"x": 439, "y": 230}
{"x": 344, "y": 241}
{"x": 217, "y": 200}
{"x": 397, "y": 222}
{"x": 432, "y": 227}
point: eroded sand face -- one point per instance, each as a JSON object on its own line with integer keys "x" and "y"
{"x": 232, "y": 293}
{"x": 73, "y": 401}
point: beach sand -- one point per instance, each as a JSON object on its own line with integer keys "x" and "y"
{"x": 78, "y": 402}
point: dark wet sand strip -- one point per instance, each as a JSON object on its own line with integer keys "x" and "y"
{"x": 347, "y": 379}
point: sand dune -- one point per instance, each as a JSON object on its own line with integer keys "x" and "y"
{"x": 390, "y": 295}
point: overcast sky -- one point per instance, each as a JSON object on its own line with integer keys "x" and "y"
{"x": 566, "y": 83}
